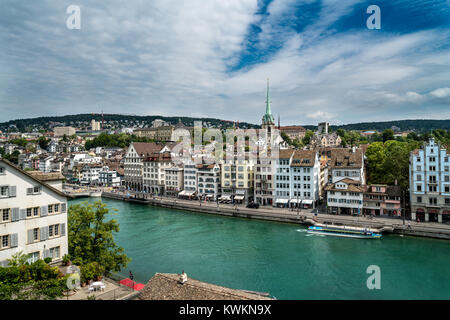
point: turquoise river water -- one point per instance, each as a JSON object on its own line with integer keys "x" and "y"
{"x": 281, "y": 259}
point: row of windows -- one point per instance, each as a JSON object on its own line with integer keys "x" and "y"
{"x": 348, "y": 201}
{"x": 31, "y": 212}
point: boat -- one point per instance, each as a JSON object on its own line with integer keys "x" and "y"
{"x": 95, "y": 194}
{"x": 345, "y": 231}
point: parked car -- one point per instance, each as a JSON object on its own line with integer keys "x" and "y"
{"x": 253, "y": 205}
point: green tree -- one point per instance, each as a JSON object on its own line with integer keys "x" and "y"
{"x": 43, "y": 142}
{"x": 91, "y": 236}
{"x": 388, "y": 134}
{"x": 36, "y": 281}
{"x": 307, "y": 138}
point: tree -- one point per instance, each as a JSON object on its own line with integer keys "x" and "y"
{"x": 307, "y": 138}
{"x": 91, "y": 237}
{"x": 388, "y": 134}
{"x": 43, "y": 142}
{"x": 35, "y": 281}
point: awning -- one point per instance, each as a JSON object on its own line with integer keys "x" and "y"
{"x": 239, "y": 197}
{"x": 225, "y": 198}
{"x": 209, "y": 195}
{"x": 307, "y": 201}
{"x": 295, "y": 200}
{"x": 190, "y": 193}
{"x": 282, "y": 201}
{"x": 240, "y": 191}
{"x": 182, "y": 193}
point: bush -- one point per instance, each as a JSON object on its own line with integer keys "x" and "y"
{"x": 91, "y": 270}
{"x": 48, "y": 260}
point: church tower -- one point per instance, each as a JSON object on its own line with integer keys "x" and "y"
{"x": 268, "y": 121}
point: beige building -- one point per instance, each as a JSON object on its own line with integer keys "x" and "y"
{"x": 237, "y": 180}
{"x": 61, "y": 131}
{"x": 161, "y": 133}
{"x": 174, "y": 180}
{"x": 294, "y": 132}
{"x": 264, "y": 179}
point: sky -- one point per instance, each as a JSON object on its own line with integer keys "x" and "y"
{"x": 212, "y": 58}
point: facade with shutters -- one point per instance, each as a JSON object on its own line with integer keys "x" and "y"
{"x": 33, "y": 216}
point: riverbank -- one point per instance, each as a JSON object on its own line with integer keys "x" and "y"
{"x": 394, "y": 226}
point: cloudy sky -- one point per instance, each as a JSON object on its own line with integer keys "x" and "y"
{"x": 211, "y": 58}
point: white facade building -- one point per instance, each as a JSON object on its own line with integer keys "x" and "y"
{"x": 33, "y": 216}
{"x": 429, "y": 174}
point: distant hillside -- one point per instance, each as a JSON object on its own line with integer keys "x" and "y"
{"x": 419, "y": 125}
{"x": 112, "y": 120}
{"x": 120, "y": 121}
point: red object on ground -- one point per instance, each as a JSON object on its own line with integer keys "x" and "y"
{"x": 130, "y": 283}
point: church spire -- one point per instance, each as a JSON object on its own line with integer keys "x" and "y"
{"x": 268, "y": 117}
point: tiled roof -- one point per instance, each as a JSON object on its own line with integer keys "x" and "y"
{"x": 147, "y": 148}
{"x": 46, "y": 176}
{"x": 346, "y": 158}
{"x": 285, "y": 153}
{"x": 303, "y": 158}
{"x": 166, "y": 286}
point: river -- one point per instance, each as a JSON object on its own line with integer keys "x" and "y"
{"x": 281, "y": 259}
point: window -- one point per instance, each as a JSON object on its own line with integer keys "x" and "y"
{"x": 419, "y": 199}
{"x": 419, "y": 187}
{"x": 4, "y": 191}
{"x": 5, "y": 241}
{"x": 54, "y": 252}
{"x": 50, "y": 208}
{"x": 33, "y": 257}
{"x": 35, "y": 234}
{"x": 5, "y": 215}
{"x": 36, "y": 211}
{"x": 56, "y": 208}
{"x": 447, "y": 188}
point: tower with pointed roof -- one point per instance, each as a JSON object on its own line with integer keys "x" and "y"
{"x": 268, "y": 121}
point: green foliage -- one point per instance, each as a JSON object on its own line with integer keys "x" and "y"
{"x": 13, "y": 157}
{"x": 121, "y": 140}
{"x": 91, "y": 270}
{"x": 307, "y": 138}
{"x": 48, "y": 260}
{"x": 91, "y": 237}
{"x": 18, "y": 259}
{"x": 389, "y": 161}
{"x": 388, "y": 134}
{"x": 19, "y": 141}
{"x": 43, "y": 142}
{"x": 31, "y": 281}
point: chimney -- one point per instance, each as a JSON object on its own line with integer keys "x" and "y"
{"x": 395, "y": 182}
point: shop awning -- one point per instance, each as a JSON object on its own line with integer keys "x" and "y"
{"x": 282, "y": 201}
{"x": 225, "y": 198}
{"x": 209, "y": 195}
{"x": 239, "y": 197}
{"x": 307, "y": 201}
{"x": 295, "y": 200}
{"x": 182, "y": 193}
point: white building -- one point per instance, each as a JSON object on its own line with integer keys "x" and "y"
{"x": 347, "y": 163}
{"x": 429, "y": 179}
{"x": 174, "y": 180}
{"x": 45, "y": 164}
{"x": 345, "y": 197}
{"x": 190, "y": 179}
{"x": 208, "y": 180}
{"x": 109, "y": 178}
{"x": 33, "y": 216}
{"x": 297, "y": 178}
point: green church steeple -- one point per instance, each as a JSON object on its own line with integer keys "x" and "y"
{"x": 268, "y": 117}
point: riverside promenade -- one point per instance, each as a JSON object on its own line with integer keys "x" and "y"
{"x": 286, "y": 215}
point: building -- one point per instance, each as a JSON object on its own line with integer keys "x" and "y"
{"x": 95, "y": 125}
{"x": 208, "y": 181}
{"x": 45, "y": 163}
{"x": 134, "y": 163}
{"x": 346, "y": 163}
{"x": 297, "y": 178}
{"x": 319, "y": 140}
{"x": 154, "y": 167}
{"x": 264, "y": 179}
{"x": 345, "y": 197}
{"x": 174, "y": 180}
{"x": 293, "y": 132}
{"x": 91, "y": 173}
{"x": 237, "y": 180}
{"x": 159, "y": 123}
{"x": 109, "y": 178}
{"x": 189, "y": 179}
{"x": 429, "y": 183}
{"x": 162, "y": 133}
{"x": 166, "y": 286}
{"x": 61, "y": 131}
{"x": 382, "y": 200}
{"x": 33, "y": 216}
